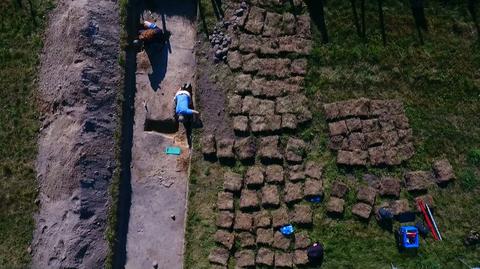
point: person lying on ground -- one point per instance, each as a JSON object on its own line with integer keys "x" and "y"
{"x": 150, "y": 34}
{"x": 183, "y": 110}
{"x": 183, "y": 103}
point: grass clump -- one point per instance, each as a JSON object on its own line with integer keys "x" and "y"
{"x": 474, "y": 157}
{"x": 21, "y": 29}
{"x": 205, "y": 183}
{"x": 469, "y": 179}
{"x": 111, "y": 232}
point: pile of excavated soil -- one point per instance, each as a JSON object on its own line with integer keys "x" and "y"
{"x": 79, "y": 78}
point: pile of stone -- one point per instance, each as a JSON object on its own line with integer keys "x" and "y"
{"x": 237, "y": 18}
{"x": 269, "y": 197}
{"x": 365, "y": 131}
{"x": 220, "y": 42}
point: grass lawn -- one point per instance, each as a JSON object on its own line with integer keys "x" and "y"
{"x": 439, "y": 84}
{"x": 440, "y": 87}
{"x": 20, "y": 44}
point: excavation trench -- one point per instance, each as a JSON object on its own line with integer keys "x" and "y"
{"x": 153, "y": 191}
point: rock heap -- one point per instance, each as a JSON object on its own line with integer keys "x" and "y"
{"x": 220, "y": 42}
{"x": 369, "y": 132}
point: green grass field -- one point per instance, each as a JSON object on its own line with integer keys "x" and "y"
{"x": 440, "y": 87}
{"x": 439, "y": 84}
{"x": 20, "y": 45}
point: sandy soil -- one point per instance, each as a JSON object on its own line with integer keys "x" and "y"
{"x": 78, "y": 79}
{"x": 159, "y": 181}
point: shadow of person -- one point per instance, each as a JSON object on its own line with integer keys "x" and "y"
{"x": 158, "y": 56}
{"x": 187, "y": 124}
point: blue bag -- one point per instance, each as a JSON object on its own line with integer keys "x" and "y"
{"x": 287, "y": 229}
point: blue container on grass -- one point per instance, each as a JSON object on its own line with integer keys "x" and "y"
{"x": 409, "y": 237}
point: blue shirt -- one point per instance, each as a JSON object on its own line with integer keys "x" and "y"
{"x": 182, "y": 108}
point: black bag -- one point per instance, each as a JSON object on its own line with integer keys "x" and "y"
{"x": 315, "y": 253}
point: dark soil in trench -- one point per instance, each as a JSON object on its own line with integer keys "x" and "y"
{"x": 212, "y": 81}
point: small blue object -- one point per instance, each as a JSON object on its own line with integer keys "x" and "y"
{"x": 152, "y": 26}
{"x": 287, "y": 229}
{"x": 173, "y": 150}
{"x": 315, "y": 199}
{"x": 385, "y": 214}
{"x": 409, "y": 237}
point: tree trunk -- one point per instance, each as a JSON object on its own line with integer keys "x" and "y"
{"x": 473, "y": 12}
{"x": 323, "y": 25}
{"x": 419, "y": 17}
{"x": 33, "y": 13}
{"x": 316, "y": 9}
{"x": 382, "y": 22}
{"x": 355, "y": 18}
{"x": 362, "y": 13}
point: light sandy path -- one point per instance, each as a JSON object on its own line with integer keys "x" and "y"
{"x": 159, "y": 181}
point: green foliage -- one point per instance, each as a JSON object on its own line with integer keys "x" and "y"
{"x": 21, "y": 30}
{"x": 112, "y": 222}
{"x": 469, "y": 179}
{"x": 437, "y": 82}
{"x": 438, "y": 85}
{"x": 207, "y": 16}
{"x": 205, "y": 182}
{"x": 474, "y": 157}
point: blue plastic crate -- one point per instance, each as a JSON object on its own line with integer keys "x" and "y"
{"x": 173, "y": 151}
{"x": 409, "y": 236}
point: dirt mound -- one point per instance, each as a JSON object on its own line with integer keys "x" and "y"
{"x": 78, "y": 80}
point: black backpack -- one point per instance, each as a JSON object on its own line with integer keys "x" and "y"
{"x": 315, "y": 253}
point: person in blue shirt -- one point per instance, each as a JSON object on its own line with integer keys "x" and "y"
{"x": 150, "y": 34}
{"x": 183, "y": 103}
{"x": 183, "y": 108}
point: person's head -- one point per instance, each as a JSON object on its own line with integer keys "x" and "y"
{"x": 187, "y": 87}
{"x": 181, "y": 118}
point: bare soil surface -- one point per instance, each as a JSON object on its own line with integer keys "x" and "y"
{"x": 213, "y": 80}
{"x": 159, "y": 182}
{"x": 78, "y": 79}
